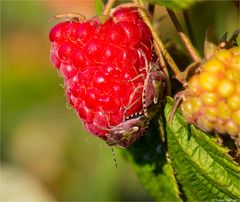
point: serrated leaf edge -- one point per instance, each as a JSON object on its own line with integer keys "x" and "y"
{"x": 203, "y": 171}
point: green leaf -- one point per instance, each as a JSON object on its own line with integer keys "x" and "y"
{"x": 99, "y": 6}
{"x": 203, "y": 168}
{"x": 149, "y": 161}
{"x": 174, "y": 4}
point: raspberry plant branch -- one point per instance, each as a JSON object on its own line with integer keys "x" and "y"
{"x": 160, "y": 44}
{"x": 186, "y": 41}
{"x": 189, "y": 26}
{"x": 164, "y": 67}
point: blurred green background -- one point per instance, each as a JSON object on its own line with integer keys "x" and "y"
{"x": 45, "y": 153}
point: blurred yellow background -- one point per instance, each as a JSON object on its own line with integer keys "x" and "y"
{"x": 46, "y": 155}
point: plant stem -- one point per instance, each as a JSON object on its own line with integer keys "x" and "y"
{"x": 186, "y": 41}
{"x": 189, "y": 26}
{"x": 160, "y": 44}
{"x": 164, "y": 68}
{"x": 108, "y": 7}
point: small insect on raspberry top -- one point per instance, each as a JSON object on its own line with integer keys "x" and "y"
{"x": 105, "y": 67}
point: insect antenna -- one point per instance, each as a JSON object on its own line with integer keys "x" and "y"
{"x": 114, "y": 157}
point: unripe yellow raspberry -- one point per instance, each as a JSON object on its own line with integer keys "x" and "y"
{"x": 212, "y": 99}
{"x": 208, "y": 81}
{"x": 209, "y": 99}
{"x": 235, "y": 50}
{"x": 236, "y": 117}
{"x": 224, "y": 56}
{"x": 214, "y": 66}
{"x": 234, "y": 101}
{"x": 225, "y": 88}
{"x": 194, "y": 85}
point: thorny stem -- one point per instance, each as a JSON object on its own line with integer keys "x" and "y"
{"x": 108, "y": 7}
{"x": 160, "y": 44}
{"x": 186, "y": 41}
{"x": 165, "y": 70}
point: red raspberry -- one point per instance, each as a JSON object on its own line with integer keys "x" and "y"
{"x": 103, "y": 66}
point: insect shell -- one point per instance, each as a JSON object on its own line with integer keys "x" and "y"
{"x": 133, "y": 127}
